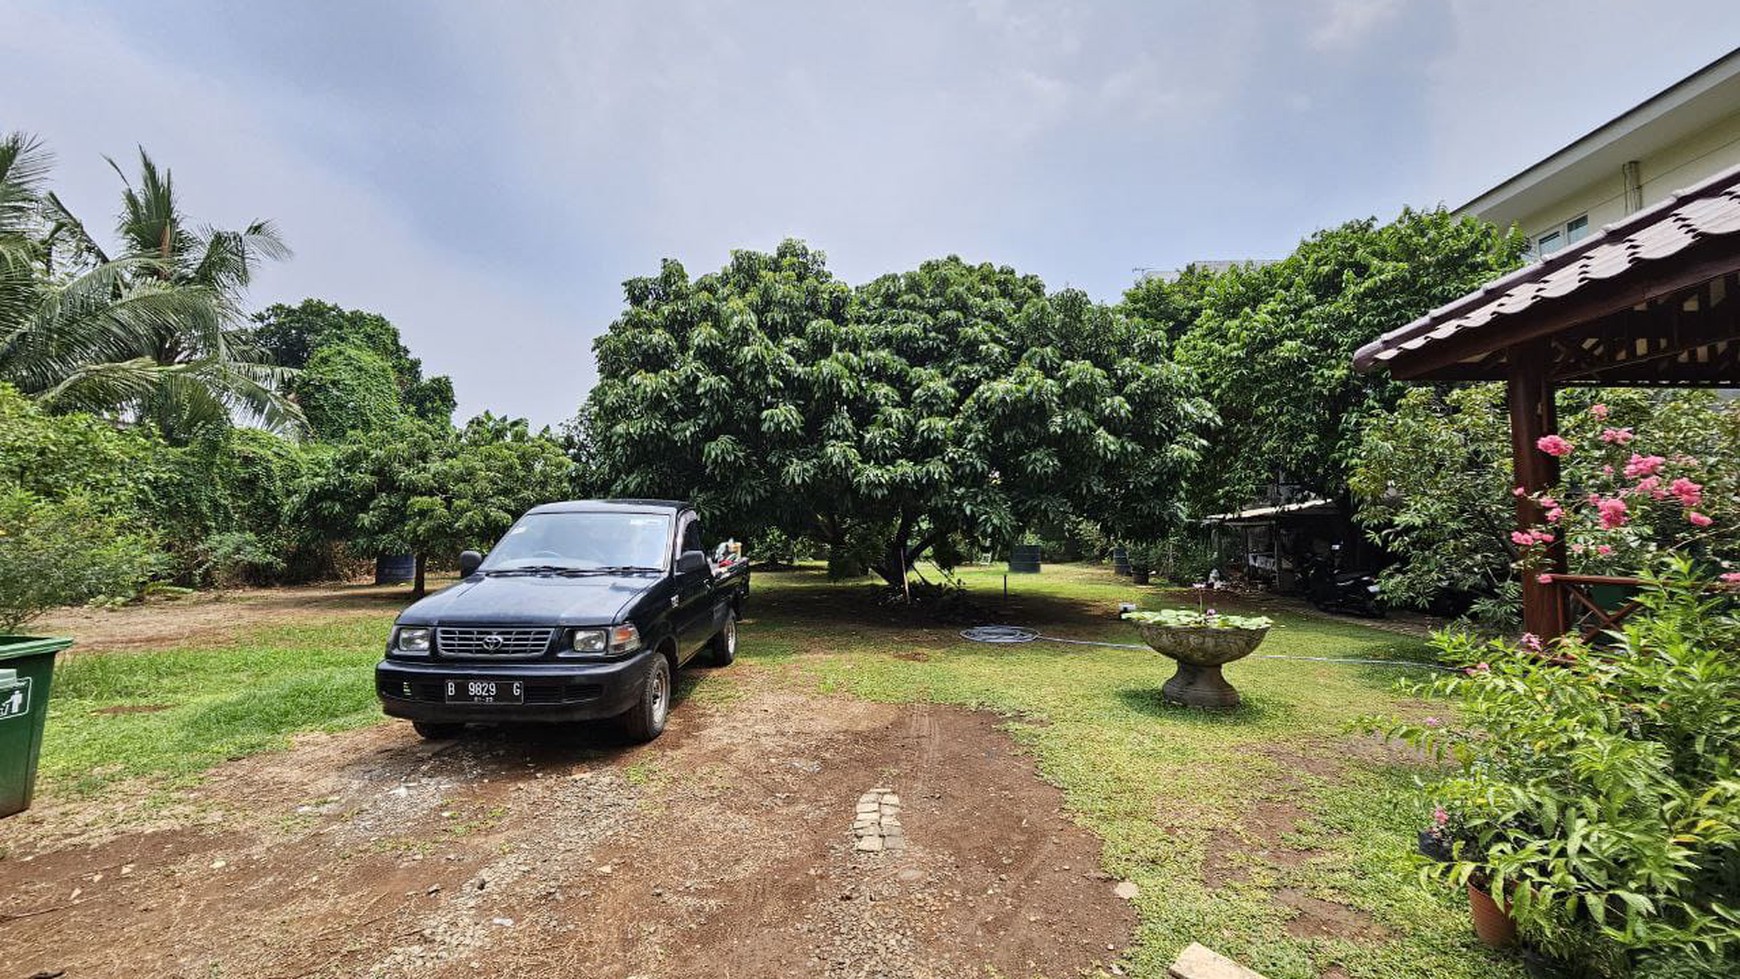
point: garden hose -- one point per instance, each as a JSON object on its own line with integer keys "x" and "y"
{"x": 1008, "y": 635}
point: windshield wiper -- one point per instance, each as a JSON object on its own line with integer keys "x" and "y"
{"x": 532, "y": 569}
{"x": 625, "y": 569}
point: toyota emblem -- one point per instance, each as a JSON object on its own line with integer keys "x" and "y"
{"x": 492, "y": 642}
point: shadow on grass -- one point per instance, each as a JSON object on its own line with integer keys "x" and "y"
{"x": 1252, "y": 710}
{"x": 819, "y": 604}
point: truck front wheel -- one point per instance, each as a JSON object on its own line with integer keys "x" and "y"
{"x": 646, "y": 718}
{"x": 434, "y": 731}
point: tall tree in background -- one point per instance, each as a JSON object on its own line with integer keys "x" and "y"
{"x": 954, "y": 401}
{"x": 197, "y": 370}
{"x": 1274, "y": 345}
{"x": 76, "y": 331}
{"x": 296, "y": 335}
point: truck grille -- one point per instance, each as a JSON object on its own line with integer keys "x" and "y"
{"x": 488, "y": 643}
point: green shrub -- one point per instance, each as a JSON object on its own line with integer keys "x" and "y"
{"x": 61, "y": 553}
{"x": 1600, "y": 788}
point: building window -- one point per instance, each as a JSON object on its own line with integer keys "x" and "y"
{"x": 1550, "y": 241}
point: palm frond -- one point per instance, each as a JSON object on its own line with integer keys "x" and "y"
{"x": 66, "y": 231}
{"x": 24, "y": 165}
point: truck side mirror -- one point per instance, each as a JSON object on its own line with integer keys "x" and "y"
{"x": 468, "y": 562}
{"x": 690, "y": 561}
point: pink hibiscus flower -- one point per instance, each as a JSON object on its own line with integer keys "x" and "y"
{"x": 1690, "y": 494}
{"x": 1553, "y": 445}
{"x": 1641, "y": 466}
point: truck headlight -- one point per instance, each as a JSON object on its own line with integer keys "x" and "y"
{"x": 586, "y": 640}
{"x": 595, "y": 641}
{"x": 412, "y": 640}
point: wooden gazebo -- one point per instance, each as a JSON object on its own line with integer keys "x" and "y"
{"x": 1651, "y": 301}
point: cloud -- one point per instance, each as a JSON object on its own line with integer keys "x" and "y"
{"x": 232, "y": 164}
{"x": 1350, "y": 22}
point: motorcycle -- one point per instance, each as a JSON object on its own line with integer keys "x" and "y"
{"x": 1333, "y": 590}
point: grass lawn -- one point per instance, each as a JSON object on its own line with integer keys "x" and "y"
{"x": 1229, "y": 823}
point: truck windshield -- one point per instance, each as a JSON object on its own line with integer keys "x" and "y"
{"x": 583, "y": 541}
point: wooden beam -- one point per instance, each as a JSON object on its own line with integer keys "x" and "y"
{"x": 1534, "y": 414}
{"x": 1666, "y": 330}
{"x": 1593, "y": 301}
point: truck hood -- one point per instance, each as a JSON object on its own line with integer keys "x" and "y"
{"x": 531, "y": 600}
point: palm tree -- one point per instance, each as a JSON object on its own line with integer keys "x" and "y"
{"x": 152, "y": 331}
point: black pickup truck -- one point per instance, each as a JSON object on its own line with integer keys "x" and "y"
{"x": 583, "y": 610}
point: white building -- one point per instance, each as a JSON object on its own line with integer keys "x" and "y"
{"x": 1668, "y": 142}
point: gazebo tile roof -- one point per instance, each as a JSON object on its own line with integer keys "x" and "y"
{"x": 1708, "y": 210}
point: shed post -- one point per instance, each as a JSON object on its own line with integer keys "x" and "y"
{"x": 1533, "y": 414}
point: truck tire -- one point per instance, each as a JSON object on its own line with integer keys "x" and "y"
{"x": 723, "y": 647}
{"x": 644, "y": 721}
{"x": 436, "y": 731}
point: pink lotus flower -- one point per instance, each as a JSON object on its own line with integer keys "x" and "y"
{"x": 1613, "y": 513}
{"x": 1545, "y": 579}
{"x": 1518, "y": 491}
{"x": 1690, "y": 494}
{"x": 1648, "y": 486}
{"x": 1599, "y": 412}
{"x": 1555, "y": 515}
{"x": 1732, "y": 577}
{"x": 1603, "y": 549}
{"x": 1617, "y": 436}
{"x": 1698, "y": 519}
{"x": 1439, "y": 816}
{"x": 1641, "y": 466}
{"x": 1553, "y": 445}
{"x": 1606, "y": 470}
{"x": 1531, "y": 641}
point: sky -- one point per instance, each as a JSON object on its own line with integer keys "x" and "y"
{"x": 486, "y": 175}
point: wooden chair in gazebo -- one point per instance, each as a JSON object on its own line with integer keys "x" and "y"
{"x": 1651, "y": 301}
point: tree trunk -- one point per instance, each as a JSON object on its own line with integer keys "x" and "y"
{"x": 419, "y": 583}
{"x": 900, "y": 556}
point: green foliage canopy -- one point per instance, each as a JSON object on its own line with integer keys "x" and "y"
{"x": 1274, "y": 344}
{"x": 296, "y": 336}
{"x": 951, "y": 401}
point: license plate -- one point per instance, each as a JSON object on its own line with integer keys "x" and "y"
{"x": 486, "y": 692}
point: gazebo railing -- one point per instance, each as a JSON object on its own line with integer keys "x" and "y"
{"x": 1597, "y": 603}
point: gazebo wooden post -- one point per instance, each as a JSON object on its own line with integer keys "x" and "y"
{"x": 1530, "y": 394}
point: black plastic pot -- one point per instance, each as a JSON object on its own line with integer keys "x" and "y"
{"x": 1431, "y": 845}
{"x": 1139, "y": 575}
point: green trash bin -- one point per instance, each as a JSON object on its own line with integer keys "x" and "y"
{"x": 26, "y": 670}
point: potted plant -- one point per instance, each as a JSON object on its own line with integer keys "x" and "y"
{"x": 1201, "y": 642}
{"x": 1593, "y": 790}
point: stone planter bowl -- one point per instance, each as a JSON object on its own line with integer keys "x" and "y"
{"x": 1201, "y": 651}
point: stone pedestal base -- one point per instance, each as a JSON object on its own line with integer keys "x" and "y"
{"x": 1200, "y": 686}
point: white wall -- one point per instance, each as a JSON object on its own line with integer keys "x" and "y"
{"x": 1675, "y": 166}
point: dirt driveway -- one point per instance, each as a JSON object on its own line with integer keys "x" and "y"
{"x": 725, "y": 849}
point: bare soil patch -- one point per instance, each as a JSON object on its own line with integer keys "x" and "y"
{"x": 1260, "y": 838}
{"x": 216, "y": 617}
{"x": 723, "y": 849}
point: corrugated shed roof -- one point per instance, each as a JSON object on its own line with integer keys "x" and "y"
{"x": 1654, "y": 234}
